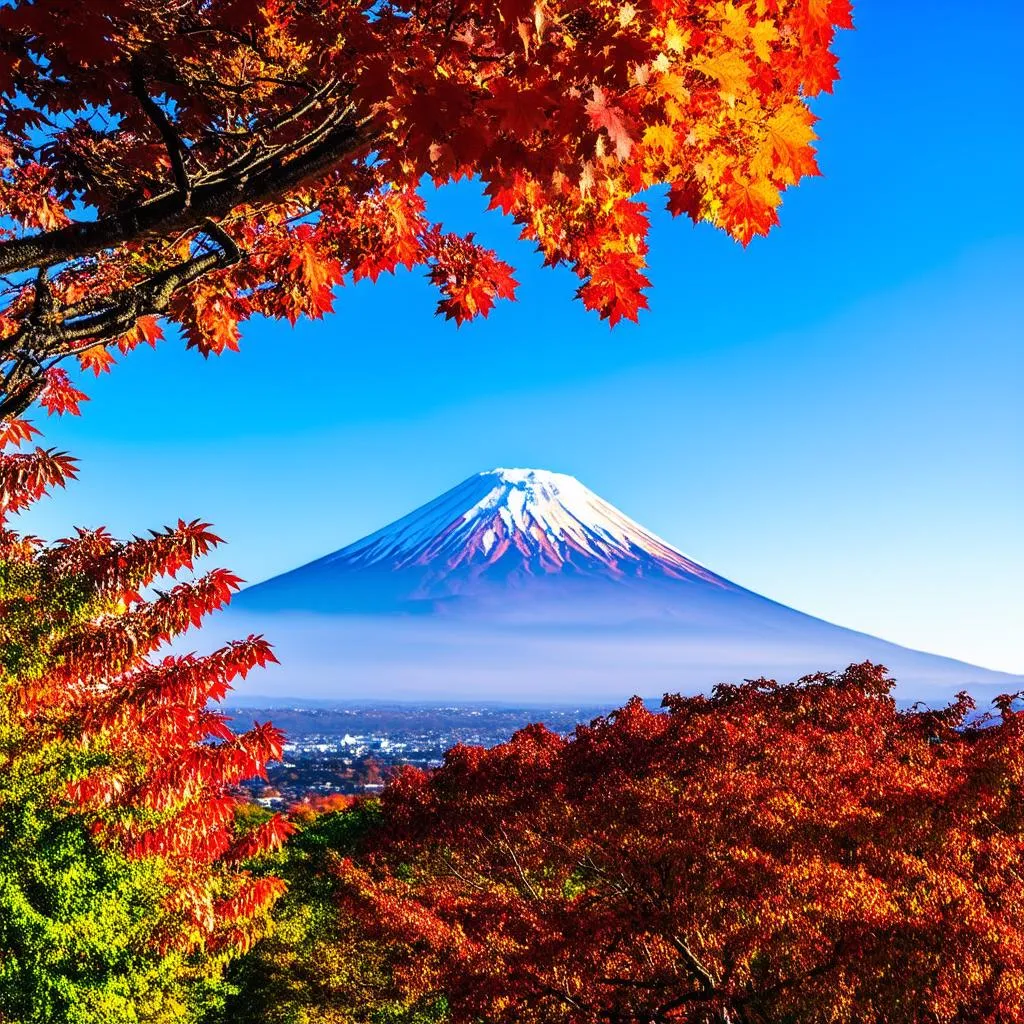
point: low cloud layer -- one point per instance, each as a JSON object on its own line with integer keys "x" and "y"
{"x": 370, "y": 658}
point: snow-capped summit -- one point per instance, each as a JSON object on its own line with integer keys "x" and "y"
{"x": 521, "y": 521}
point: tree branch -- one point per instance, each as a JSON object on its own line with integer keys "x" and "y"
{"x": 167, "y": 212}
{"x": 54, "y": 335}
{"x": 517, "y": 865}
{"x": 702, "y": 975}
{"x": 175, "y": 148}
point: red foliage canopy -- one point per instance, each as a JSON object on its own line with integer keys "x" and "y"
{"x": 207, "y": 162}
{"x": 77, "y": 668}
{"x": 804, "y": 852}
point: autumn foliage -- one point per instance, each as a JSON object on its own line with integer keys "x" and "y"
{"x": 205, "y": 163}
{"x": 800, "y": 853}
{"x": 117, "y": 751}
{"x": 319, "y": 966}
{"x": 803, "y": 853}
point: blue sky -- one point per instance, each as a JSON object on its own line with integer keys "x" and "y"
{"x": 831, "y": 417}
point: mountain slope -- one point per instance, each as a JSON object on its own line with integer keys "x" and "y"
{"x": 484, "y": 539}
{"x": 529, "y": 521}
{"x": 524, "y": 583}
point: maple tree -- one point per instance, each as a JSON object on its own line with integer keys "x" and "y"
{"x": 804, "y": 852}
{"x": 125, "y": 876}
{"x": 317, "y": 965}
{"x": 204, "y": 163}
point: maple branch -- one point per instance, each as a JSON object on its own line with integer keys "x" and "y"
{"x": 47, "y": 336}
{"x": 151, "y": 296}
{"x": 755, "y": 999}
{"x": 167, "y": 212}
{"x": 43, "y": 303}
{"x": 239, "y": 37}
{"x": 176, "y": 151}
{"x": 450, "y": 864}
{"x": 562, "y": 997}
{"x": 21, "y": 385}
{"x": 55, "y": 335}
{"x": 700, "y": 972}
{"x": 515, "y": 861}
{"x": 241, "y": 89}
{"x": 632, "y": 983}
{"x": 230, "y": 252}
{"x": 249, "y": 156}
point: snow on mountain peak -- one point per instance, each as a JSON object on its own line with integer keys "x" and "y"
{"x": 521, "y": 522}
{"x": 530, "y": 476}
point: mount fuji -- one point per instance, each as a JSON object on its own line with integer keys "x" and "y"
{"x": 521, "y": 584}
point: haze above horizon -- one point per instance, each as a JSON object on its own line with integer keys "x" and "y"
{"x": 831, "y": 417}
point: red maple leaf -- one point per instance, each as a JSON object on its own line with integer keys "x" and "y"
{"x": 608, "y": 116}
{"x": 615, "y": 288}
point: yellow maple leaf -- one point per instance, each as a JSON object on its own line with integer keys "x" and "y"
{"x": 702, "y": 134}
{"x": 660, "y": 136}
{"x": 735, "y": 25}
{"x": 763, "y": 33}
{"x": 711, "y": 169}
{"x": 675, "y": 39}
{"x": 729, "y": 69}
{"x": 789, "y": 134}
{"x": 673, "y": 87}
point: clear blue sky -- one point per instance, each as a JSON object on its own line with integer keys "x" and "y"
{"x": 831, "y": 417}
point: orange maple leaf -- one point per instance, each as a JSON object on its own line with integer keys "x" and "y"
{"x": 314, "y": 276}
{"x": 98, "y": 359}
{"x": 615, "y": 288}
